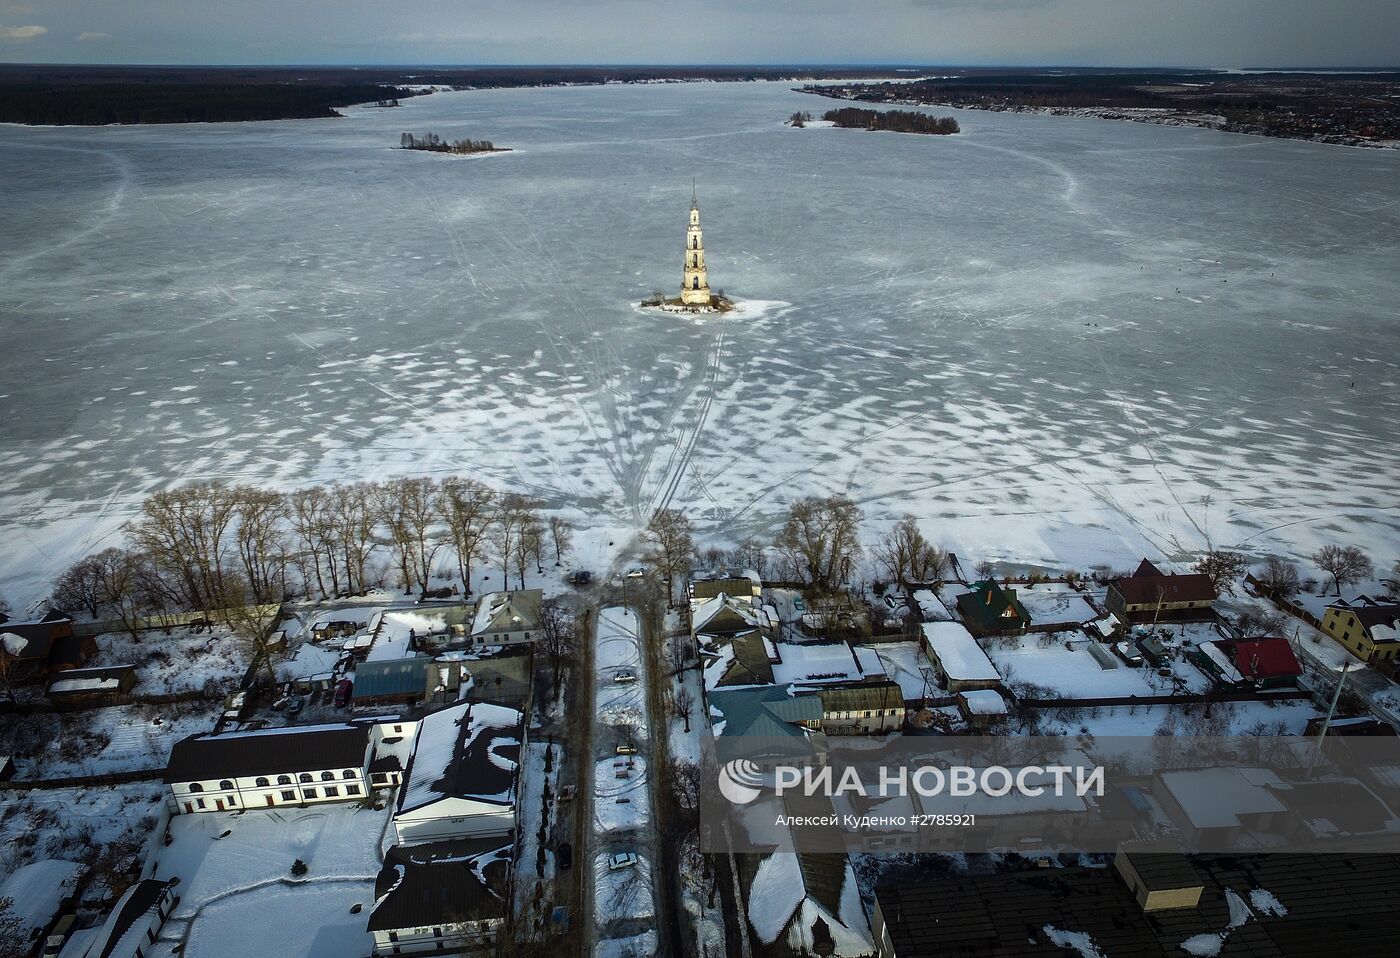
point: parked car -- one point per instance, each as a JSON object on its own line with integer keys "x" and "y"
{"x": 622, "y": 860}
{"x": 580, "y": 577}
{"x": 566, "y": 856}
{"x": 627, "y": 749}
{"x": 567, "y": 793}
{"x": 281, "y": 703}
{"x": 343, "y": 688}
{"x": 295, "y": 705}
{"x": 625, "y": 676}
{"x": 635, "y": 572}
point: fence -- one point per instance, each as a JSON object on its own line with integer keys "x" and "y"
{"x": 86, "y": 781}
{"x": 173, "y": 620}
{"x": 1185, "y": 698}
{"x": 1283, "y": 602}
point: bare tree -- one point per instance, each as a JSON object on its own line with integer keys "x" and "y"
{"x": 467, "y": 508}
{"x": 185, "y": 531}
{"x": 561, "y": 533}
{"x": 671, "y": 541}
{"x": 532, "y": 543}
{"x": 558, "y": 636}
{"x": 1280, "y": 577}
{"x": 312, "y": 517}
{"x": 984, "y": 569}
{"x": 260, "y": 538}
{"x": 1392, "y": 584}
{"x": 1256, "y": 619}
{"x": 253, "y": 631}
{"x": 751, "y": 553}
{"x": 1222, "y": 567}
{"x": 512, "y": 513}
{"x": 682, "y": 704}
{"x": 819, "y": 540}
{"x": 120, "y": 579}
{"x": 1345, "y": 564}
{"x": 908, "y": 556}
{"x": 351, "y": 512}
{"x": 686, "y": 783}
{"x": 12, "y": 931}
{"x": 77, "y": 589}
{"x": 407, "y": 507}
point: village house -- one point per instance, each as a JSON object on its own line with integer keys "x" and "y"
{"x": 38, "y": 893}
{"x": 35, "y": 649}
{"x": 957, "y": 659}
{"x": 982, "y": 708}
{"x": 1149, "y": 596}
{"x": 284, "y": 766}
{"x": 135, "y": 921}
{"x": 461, "y": 780}
{"x": 89, "y": 688}
{"x": 1365, "y": 627}
{"x": 866, "y": 708}
{"x": 991, "y": 609}
{"x": 742, "y": 588}
{"x": 444, "y": 896}
{"x": 731, "y": 640}
{"x": 507, "y": 618}
{"x": 1263, "y": 663}
{"x": 781, "y": 729}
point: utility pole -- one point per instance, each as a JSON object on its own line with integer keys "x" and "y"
{"x": 1336, "y": 696}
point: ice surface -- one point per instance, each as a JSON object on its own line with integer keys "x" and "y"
{"x": 1060, "y": 340}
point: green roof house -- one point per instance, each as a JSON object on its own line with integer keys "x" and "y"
{"x": 989, "y": 608}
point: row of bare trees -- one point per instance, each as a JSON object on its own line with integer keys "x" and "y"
{"x": 212, "y": 546}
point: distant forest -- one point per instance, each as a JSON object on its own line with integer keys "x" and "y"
{"x": 899, "y": 121}
{"x": 91, "y": 95}
{"x": 103, "y": 103}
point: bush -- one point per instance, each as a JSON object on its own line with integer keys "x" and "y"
{"x": 299, "y": 868}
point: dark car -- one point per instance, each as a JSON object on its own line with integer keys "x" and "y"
{"x": 342, "y": 693}
{"x": 581, "y": 577}
{"x": 566, "y": 856}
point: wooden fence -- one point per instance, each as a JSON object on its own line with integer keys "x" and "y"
{"x": 268, "y": 614}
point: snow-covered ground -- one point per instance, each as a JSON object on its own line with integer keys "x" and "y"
{"x": 182, "y": 661}
{"x": 1031, "y": 335}
{"x": 1075, "y": 673}
{"x": 102, "y": 741}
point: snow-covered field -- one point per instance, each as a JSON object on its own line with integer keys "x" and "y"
{"x": 1056, "y": 340}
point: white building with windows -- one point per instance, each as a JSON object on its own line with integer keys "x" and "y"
{"x": 460, "y": 783}
{"x": 284, "y": 766}
{"x": 507, "y": 618}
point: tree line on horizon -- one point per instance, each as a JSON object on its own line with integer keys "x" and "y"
{"x": 432, "y": 143}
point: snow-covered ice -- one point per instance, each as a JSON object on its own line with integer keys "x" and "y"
{"x": 1056, "y": 340}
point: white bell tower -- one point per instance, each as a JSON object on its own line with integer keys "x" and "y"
{"x": 695, "y": 286}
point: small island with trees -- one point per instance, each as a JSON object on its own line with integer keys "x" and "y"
{"x": 432, "y": 143}
{"x": 898, "y": 121}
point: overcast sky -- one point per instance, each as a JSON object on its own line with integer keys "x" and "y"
{"x": 1216, "y": 33}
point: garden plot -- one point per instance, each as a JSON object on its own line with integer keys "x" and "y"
{"x": 101, "y": 741}
{"x": 183, "y": 661}
{"x": 1276, "y": 717}
{"x": 309, "y": 920}
{"x": 107, "y": 828}
{"x": 1075, "y": 673}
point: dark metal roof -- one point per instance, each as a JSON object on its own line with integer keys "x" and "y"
{"x": 267, "y": 752}
{"x": 1333, "y": 902}
{"x": 424, "y": 885}
{"x": 1147, "y": 584}
{"x": 143, "y": 896}
{"x": 392, "y": 677}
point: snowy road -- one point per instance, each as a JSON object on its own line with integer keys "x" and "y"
{"x": 1054, "y": 339}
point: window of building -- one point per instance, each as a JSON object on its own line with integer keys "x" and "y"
{"x": 328, "y": 776}
{"x": 398, "y": 728}
{"x": 351, "y": 773}
{"x": 196, "y": 787}
{"x": 393, "y": 936}
{"x": 352, "y": 789}
{"x": 308, "y": 792}
{"x": 261, "y": 783}
{"x": 284, "y": 779}
{"x": 201, "y": 804}
{"x": 289, "y": 796}
{"x": 332, "y": 791}
{"x": 305, "y": 777}
{"x": 225, "y": 785}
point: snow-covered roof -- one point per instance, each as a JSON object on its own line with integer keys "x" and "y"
{"x": 38, "y": 889}
{"x": 1221, "y": 661}
{"x": 782, "y": 905}
{"x": 508, "y": 612}
{"x": 983, "y": 702}
{"x": 470, "y": 750}
{"x": 707, "y": 610}
{"x": 1216, "y": 797}
{"x": 958, "y": 652}
{"x": 125, "y": 929}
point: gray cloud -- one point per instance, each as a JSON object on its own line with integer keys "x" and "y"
{"x": 89, "y": 35}
{"x": 21, "y": 34}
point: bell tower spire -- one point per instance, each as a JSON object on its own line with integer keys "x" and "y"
{"x": 695, "y": 286}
